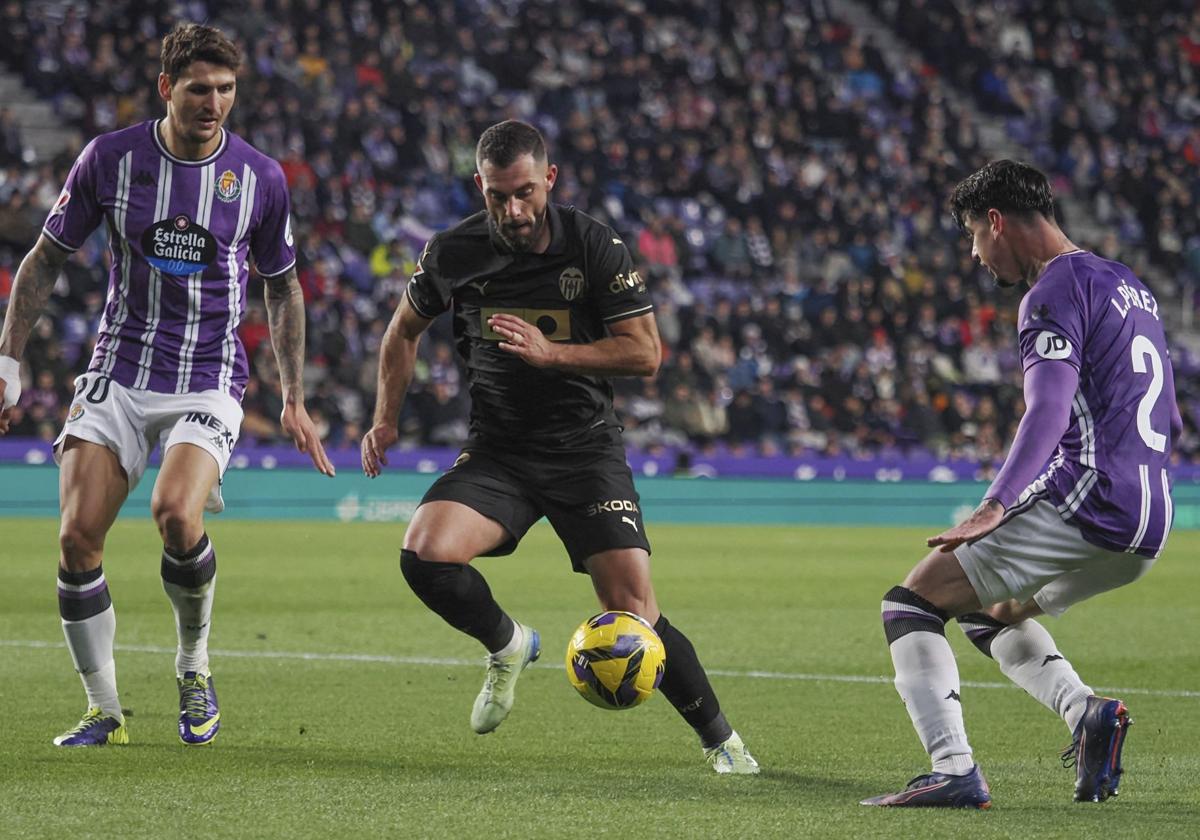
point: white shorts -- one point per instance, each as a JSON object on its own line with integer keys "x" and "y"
{"x": 1035, "y": 554}
{"x": 131, "y": 422}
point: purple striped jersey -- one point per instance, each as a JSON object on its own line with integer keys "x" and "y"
{"x": 1109, "y": 475}
{"x": 179, "y": 234}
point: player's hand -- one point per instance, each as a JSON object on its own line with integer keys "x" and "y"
{"x": 983, "y": 521}
{"x": 375, "y": 445}
{"x": 299, "y": 427}
{"x": 523, "y": 339}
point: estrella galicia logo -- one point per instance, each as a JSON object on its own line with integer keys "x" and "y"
{"x": 228, "y": 186}
{"x": 1052, "y": 346}
{"x": 179, "y": 246}
{"x": 570, "y": 283}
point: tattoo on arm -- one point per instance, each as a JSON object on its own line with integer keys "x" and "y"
{"x": 31, "y": 289}
{"x": 285, "y": 317}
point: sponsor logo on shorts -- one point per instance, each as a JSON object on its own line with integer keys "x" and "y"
{"x": 611, "y": 506}
{"x": 228, "y": 186}
{"x": 570, "y": 283}
{"x": 76, "y": 412}
{"x": 223, "y": 439}
{"x": 1052, "y": 346}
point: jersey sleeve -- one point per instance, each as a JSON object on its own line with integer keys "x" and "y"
{"x": 617, "y": 287}
{"x": 271, "y": 243}
{"x": 1052, "y": 321}
{"x": 429, "y": 291}
{"x": 78, "y": 211}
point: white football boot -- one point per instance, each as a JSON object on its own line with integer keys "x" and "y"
{"x": 731, "y": 757}
{"x": 496, "y": 698}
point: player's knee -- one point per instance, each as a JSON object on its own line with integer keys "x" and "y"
{"x": 179, "y": 527}
{"x": 430, "y": 579}
{"x": 981, "y": 629}
{"x": 81, "y": 546}
{"x": 904, "y": 612}
{"x": 631, "y": 600}
{"x": 432, "y": 548}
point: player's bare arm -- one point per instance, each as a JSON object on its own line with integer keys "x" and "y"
{"x": 397, "y": 358}
{"x": 633, "y": 347}
{"x": 31, "y": 289}
{"x": 285, "y": 317}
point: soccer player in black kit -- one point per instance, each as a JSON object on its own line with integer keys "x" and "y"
{"x": 547, "y": 306}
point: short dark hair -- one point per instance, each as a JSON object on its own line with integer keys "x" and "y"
{"x": 504, "y": 142}
{"x": 189, "y": 42}
{"x": 1006, "y": 185}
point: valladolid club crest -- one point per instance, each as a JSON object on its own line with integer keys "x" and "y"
{"x": 570, "y": 283}
{"x": 228, "y": 186}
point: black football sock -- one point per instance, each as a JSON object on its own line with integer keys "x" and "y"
{"x": 460, "y": 595}
{"x": 687, "y": 687}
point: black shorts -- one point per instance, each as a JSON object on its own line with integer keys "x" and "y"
{"x": 588, "y": 496}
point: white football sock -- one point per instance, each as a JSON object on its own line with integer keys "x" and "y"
{"x": 515, "y": 643}
{"x": 193, "y": 618}
{"x": 91, "y": 644}
{"x": 1027, "y": 656}
{"x": 927, "y": 679}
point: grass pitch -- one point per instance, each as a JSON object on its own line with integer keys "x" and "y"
{"x": 345, "y": 703}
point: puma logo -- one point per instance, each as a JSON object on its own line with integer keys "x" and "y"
{"x": 632, "y": 524}
{"x": 953, "y": 695}
{"x": 480, "y": 285}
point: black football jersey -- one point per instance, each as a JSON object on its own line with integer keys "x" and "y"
{"x": 584, "y": 281}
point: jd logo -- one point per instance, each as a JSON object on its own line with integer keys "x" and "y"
{"x": 1052, "y": 346}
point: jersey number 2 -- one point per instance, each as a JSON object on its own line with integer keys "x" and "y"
{"x": 1142, "y": 348}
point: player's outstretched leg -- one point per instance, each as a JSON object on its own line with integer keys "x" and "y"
{"x": 927, "y": 680}
{"x": 1027, "y": 655}
{"x": 190, "y": 579}
{"x": 460, "y": 595}
{"x": 90, "y": 625}
{"x": 686, "y": 686}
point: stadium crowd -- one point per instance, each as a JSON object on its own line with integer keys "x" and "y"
{"x": 781, "y": 187}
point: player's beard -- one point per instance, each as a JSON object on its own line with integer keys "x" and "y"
{"x": 522, "y": 242}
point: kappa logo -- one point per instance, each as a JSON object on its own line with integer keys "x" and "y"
{"x": 60, "y": 206}
{"x": 228, "y": 186}
{"x": 953, "y": 695}
{"x": 143, "y": 179}
{"x": 570, "y": 283}
{"x": 1050, "y": 657}
{"x": 1052, "y": 346}
{"x": 287, "y": 232}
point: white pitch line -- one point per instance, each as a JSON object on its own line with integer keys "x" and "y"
{"x": 385, "y": 659}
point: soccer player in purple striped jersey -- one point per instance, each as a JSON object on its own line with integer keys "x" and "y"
{"x": 1082, "y": 504}
{"x": 185, "y": 202}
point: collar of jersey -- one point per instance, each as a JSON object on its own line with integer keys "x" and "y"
{"x": 162, "y": 147}
{"x": 558, "y": 241}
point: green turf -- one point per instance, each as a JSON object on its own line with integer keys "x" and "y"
{"x": 357, "y": 748}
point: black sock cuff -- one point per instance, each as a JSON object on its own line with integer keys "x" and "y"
{"x": 904, "y": 611}
{"x": 195, "y": 568}
{"x": 981, "y": 629}
{"x": 82, "y": 595}
{"x": 661, "y": 625}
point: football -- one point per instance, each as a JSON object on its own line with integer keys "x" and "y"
{"x": 615, "y": 660}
